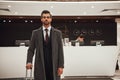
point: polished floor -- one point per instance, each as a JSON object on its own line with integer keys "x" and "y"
{"x": 71, "y": 79}
{"x": 115, "y": 77}
{"x": 91, "y": 79}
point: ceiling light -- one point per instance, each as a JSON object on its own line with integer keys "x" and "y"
{"x": 118, "y": 12}
{"x": 9, "y": 21}
{"x": 9, "y": 6}
{"x": 92, "y": 6}
{"x": 31, "y": 21}
{"x": 26, "y": 21}
{"x": 4, "y": 20}
{"x": 75, "y": 21}
{"x": 51, "y": 6}
{"x": 97, "y": 20}
{"x": 16, "y": 13}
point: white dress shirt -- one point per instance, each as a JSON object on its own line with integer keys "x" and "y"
{"x": 44, "y": 32}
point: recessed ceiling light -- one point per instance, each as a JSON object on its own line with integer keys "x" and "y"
{"x": 9, "y": 21}
{"x": 31, "y": 21}
{"x": 26, "y": 21}
{"x": 97, "y": 20}
{"x": 16, "y": 12}
{"x": 4, "y": 20}
{"x": 51, "y": 6}
{"x": 118, "y": 12}
{"x": 9, "y": 6}
{"x": 75, "y": 21}
{"x": 92, "y": 6}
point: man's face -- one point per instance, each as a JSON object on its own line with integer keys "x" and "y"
{"x": 46, "y": 19}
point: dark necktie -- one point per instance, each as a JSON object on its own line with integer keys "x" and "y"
{"x": 46, "y": 36}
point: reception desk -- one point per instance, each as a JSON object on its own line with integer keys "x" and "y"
{"x": 90, "y": 60}
{"x": 79, "y": 61}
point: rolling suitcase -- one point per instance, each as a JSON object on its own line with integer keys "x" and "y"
{"x": 30, "y": 75}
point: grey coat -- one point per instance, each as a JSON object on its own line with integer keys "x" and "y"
{"x": 36, "y": 48}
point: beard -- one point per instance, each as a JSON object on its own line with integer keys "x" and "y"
{"x": 46, "y": 22}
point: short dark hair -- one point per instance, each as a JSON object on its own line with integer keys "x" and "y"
{"x": 46, "y": 12}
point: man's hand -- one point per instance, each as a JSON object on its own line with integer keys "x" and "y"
{"x": 29, "y": 66}
{"x": 60, "y": 71}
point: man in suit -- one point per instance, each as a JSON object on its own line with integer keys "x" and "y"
{"x": 46, "y": 45}
{"x": 81, "y": 39}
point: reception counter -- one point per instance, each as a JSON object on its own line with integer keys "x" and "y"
{"x": 79, "y": 61}
{"x": 90, "y": 60}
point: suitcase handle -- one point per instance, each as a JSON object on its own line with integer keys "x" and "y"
{"x": 26, "y": 76}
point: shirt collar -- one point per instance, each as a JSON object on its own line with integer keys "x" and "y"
{"x": 49, "y": 28}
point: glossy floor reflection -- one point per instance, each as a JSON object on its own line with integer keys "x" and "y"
{"x": 117, "y": 75}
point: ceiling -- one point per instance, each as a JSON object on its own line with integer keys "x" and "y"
{"x": 58, "y": 8}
